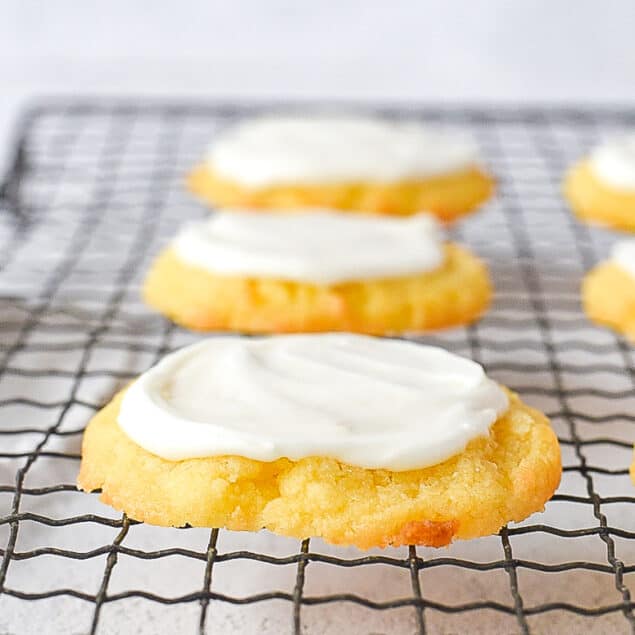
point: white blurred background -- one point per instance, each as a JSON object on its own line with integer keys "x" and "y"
{"x": 390, "y": 51}
{"x": 478, "y": 50}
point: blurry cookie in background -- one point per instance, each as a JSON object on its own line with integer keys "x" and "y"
{"x": 357, "y": 164}
{"x": 608, "y": 290}
{"x": 601, "y": 187}
{"x": 316, "y": 270}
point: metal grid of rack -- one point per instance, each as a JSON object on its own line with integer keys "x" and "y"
{"x": 93, "y": 191}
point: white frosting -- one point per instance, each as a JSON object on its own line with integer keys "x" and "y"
{"x": 623, "y": 255}
{"x": 330, "y": 149}
{"x": 315, "y": 246}
{"x": 369, "y": 402}
{"x": 613, "y": 163}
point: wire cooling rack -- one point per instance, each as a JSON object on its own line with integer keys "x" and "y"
{"x": 93, "y": 191}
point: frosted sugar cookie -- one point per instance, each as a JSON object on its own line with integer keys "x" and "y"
{"x": 316, "y": 270}
{"x": 608, "y": 290}
{"x": 601, "y": 188}
{"x": 357, "y": 440}
{"x": 353, "y": 164}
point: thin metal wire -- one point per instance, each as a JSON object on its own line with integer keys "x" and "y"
{"x": 212, "y": 554}
{"x": 150, "y": 218}
{"x": 71, "y": 309}
{"x": 111, "y": 561}
{"x": 77, "y": 242}
{"x": 299, "y": 585}
{"x": 414, "y": 564}
{"x": 510, "y": 568}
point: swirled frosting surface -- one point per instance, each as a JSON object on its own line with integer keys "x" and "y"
{"x": 314, "y": 246}
{"x": 336, "y": 149}
{"x": 373, "y": 403}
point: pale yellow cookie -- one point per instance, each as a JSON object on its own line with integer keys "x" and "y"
{"x": 608, "y": 296}
{"x": 448, "y": 196}
{"x": 495, "y": 480}
{"x": 596, "y": 202}
{"x": 456, "y": 293}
